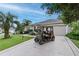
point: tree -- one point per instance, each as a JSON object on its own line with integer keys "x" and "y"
{"x": 17, "y": 29}
{"x": 26, "y": 22}
{"x": 75, "y": 28}
{"x": 21, "y": 26}
{"x": 69, "y": 12}
{"x": 6, "y": 22}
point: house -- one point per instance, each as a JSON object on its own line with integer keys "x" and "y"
{"x": 11, "y": 30}
{"x": 0, "y": 30}
{"x": 59, "y": 27}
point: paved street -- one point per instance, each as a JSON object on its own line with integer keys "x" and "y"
{"x": 62, "y": 46}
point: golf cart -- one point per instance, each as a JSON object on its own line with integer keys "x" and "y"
{"x": 46, "y": 34}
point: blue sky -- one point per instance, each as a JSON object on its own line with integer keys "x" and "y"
{"x": 30, "y": 11}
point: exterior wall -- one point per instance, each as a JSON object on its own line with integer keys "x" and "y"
{"x": 68, "y": 29}
{"x": 26, "y": 28}
{"x": 12, "y": 30}
{"x": 0, "y": 30}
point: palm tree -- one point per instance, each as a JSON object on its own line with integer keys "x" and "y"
{"x": 6, "y": 22}
{"x": 21, "y": 26}
{"x": 26, "y": 22}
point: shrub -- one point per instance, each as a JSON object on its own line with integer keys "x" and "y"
{"x": 71, "y": 35}
{"x": 75, "y": 28}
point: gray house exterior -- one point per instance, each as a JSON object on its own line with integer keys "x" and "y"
{"x": 60, "y": 29}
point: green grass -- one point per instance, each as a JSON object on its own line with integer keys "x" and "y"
{"x": 13, "y": 40}
{"x": 74, "y": 39}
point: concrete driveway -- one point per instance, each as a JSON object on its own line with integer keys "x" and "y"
{"x": 62, "y": 46}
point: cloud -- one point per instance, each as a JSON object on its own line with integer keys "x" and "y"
{"x": 20, "y": 9}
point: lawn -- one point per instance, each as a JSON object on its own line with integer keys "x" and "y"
{"x": 13, "y": 40}
{"x": 74, "y": 39}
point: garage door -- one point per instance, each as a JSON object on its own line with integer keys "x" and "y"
{"x": 59, "y": 30}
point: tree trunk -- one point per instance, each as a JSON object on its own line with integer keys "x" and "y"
{"x": 6, "y": 33}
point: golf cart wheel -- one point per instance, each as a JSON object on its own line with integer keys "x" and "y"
{"x": 36, "y": 40}
{"x": 41, "y": 43}
{"x": 53, "y": 39}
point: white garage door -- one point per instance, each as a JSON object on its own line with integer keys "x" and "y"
{"x": 59, "y": 30}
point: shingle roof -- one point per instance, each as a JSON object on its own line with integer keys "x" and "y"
{"x": 49, "y": 22}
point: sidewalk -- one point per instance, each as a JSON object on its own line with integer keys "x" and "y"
{"x": 62, "y": 46}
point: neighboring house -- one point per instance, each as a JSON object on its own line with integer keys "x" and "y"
{"x": 27, "y": 28}
{"x": 59, "y": 27}
{"x": 0, "y": 30}
{"x": 12, "y": 30}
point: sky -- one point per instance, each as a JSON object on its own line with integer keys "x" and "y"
{"x": 30, "y": 11}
